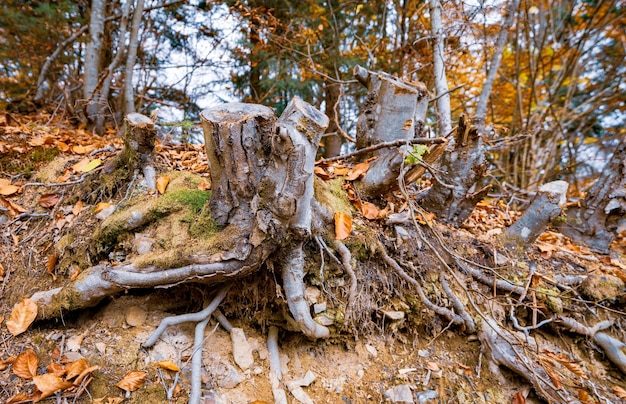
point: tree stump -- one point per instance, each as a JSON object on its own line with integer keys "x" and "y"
{"x": 393, "y": 110}
{"x": 452, "y": 197}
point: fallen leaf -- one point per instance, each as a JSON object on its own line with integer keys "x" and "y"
{"x": 9, "y": 189}
{"x": 619, "y": 391}
{"x": 18, "y": 398}
{"x": 36, "y": 141}
{"x": 22, "y": 316}
{"x": 369, "y": 210}
{"x": 101, "y": 206}
{"x": 48, "y": 384}
{"x": 357, "y": 171}
{"x": 14, "y": 208}
{"x": 162, "y": 184}
{"x": 132, "y": 381}
{"x": 62, "y": 146}
{"x": 25, "y": 365}
{"x": 78, "y": 149}
{"x": 76, "y": 368}
{"x": 323, "y": 174}
{"x": 204, "y": 185}
{"x": 91, "y": 165}
{"x": 167, "y": 364}
{"x": 56, "y": 368}
{"x": 434, "y": 366}
{"x": 583, "y": 395}
{"x": 75, "y": 274}
{"x": 343, "y": 226}
{"x": 50, "y": 264}
{"x": 78, "y": 207}
{"x": 518, "y": 398}
{"x": 48, "y": 200}
{"x": 341, "y": 171}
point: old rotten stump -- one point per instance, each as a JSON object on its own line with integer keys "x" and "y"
{"x": 262, "y": 172}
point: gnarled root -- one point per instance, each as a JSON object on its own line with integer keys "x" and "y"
{"x": 293, "y": 284}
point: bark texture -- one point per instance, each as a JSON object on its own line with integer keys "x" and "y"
{"x": 601, "y": 216}
{"x": 393, "y": 110}
{"x": 453, "y": 196}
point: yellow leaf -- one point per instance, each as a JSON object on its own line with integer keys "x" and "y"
{"x": 167, "y": 364}
{"x": 7, "y": 190}
{"x": 343, "y": 226}
{"x": 48, "y": 384}
{"x": 91, "y": 165}
{"x": 162, "y": 184}
{"x": 22, "y": 316}
{"x": 25, "y": 365}
{"x": 132, "y": 381}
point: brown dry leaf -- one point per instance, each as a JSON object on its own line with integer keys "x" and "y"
{"x": 36, "y": 141}
{"x": 162, "y": 183}
{"x": 434, "y": 366}
{"x": 425, "y": 218}
{"x": 555, "y": 377}
{"x": 56, "y": 368}
{"x": 167, "y": 364}
{"x": 101, "y": 206}
{"x": 8, "y": 189}
{"x": 78, "y": 149}
{"x": 84, "y": 373}
{"x": 48, "y": 384}
{"x": 75, "y": 274}
{"x": 132, "y": 381}
{"x": 547, "y": 250}
{"x": 4, "y": 182}
{"x": 62, "y": 146}
{"x": 52, "y": 261}
{"x": 78, "y": 167}
{"x": 14, "y": 208}
{"x": 19, "y": 397}
{"x": 369, "y": 210}
{"x": 22, "y": 316}
{"x": 109, "y": 400}
{"x": 75, "y": 368}
{"x": 25, "y": 365}
{"x": 48, "y": 200}
{"x": 323, "y": 174}
{"x": 78, "y": 207}
{"x": 343, "y": 226}
{"x": 518, "y": 398}
{"x": 357, "y": 171}
{"x": 341, "y": 171}
{"x": 583, "y": 395}
{"x": 204, "y": 185}
{"x": 619, "y": 391}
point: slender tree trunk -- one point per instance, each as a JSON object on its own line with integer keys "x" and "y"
{"x": 129, "y": 94}
{"x": 92, "y": 55}
{"x": 481, "y": 107}
{"x": 332, "y": 141}
{"x": 443, "y": 102}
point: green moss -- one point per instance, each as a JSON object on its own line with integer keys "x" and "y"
{"x": 551, "y": 300}
{"x": 331, "y": 195}
{"x": 43, "y": 155}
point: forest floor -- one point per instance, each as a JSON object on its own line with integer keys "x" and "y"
{"x": 96, "y": 354}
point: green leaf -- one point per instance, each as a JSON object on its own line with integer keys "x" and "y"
{"x": 415, "y": 155}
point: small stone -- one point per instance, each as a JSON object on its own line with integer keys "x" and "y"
{"x": 319, "y": 307}
{"x": 257, "y": 370}
{"x": 142, "y": 244}
{"x": 423, "y": 353}
{"x": 399, "y": 394}
{"x": 600, "y": 286}
{"x": 73, "y": 343}
{"x": 101, "y": 347}
{"x": 370, "y": 348}
{"x": 427, "y": 397}
{"x": 324, "y": 319}
{"x": 230, "y": 378}
{"x": 135, "y": 316}
{"x": 106, "y": 212}
{"x": 242, "y": 351}
{"x": 72, "y": 356}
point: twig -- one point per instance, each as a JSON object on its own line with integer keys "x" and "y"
{"x": 196, "y": 361}
{"x": 395, "y": 143}
{"x": 57, "y": 184}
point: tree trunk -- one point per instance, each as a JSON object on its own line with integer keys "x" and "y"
{"x": 444, "y": 114}
{"x": 601, "y": 216}
{"x": 129, "y": 93}
{"x": 332, "y": 140}
{"x": 481, "y": 107}
{"x": 452, "y": 196}
{"x": 92, "y": 55}
{"x": 393, "y": 110}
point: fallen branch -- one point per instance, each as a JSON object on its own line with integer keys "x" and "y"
{"x": 383, "y": 145}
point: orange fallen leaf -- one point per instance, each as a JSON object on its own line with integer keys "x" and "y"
{"x": 76, "y": 368}
{"x": 619, "y": 391}
{"x": 320, "y": 172}
{"x": 18, "y": 398}
{"x": 25, "y": 365}
{"x": 14, "y": 208}
{"x": 518, "y": 398}
{"x": 22, "y": 316}
{"x": 78, "y": 149}
{"x": 101, "y": 206}
{"x": 50, "y": 264}
{"x": 369, "y": 210}
{"x": 48, "y": 384}
{"x": 9, "y": 189}
{"x": 204, "y": 185}
{"x": 36, "y": 141}
{"x": 48, "y": 200}
{"x": 132, "y": 381}
{"x": 162, "y": 184}
{"x": 167, "y": 364}
{"x": 341, "y": 171}
{"x": 343, "y": 226}
{"x": 78, "y": 207}
{"x": 56, "y": 368}
{"x": 62, "y": 146}
{"x": 357, "y": 171}
{"x": 78, "y": 167}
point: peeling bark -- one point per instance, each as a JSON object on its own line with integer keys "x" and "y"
{"x": 601, "y": 216}
{"x": 393, "y": 110}
{"x": 453, "y": 200}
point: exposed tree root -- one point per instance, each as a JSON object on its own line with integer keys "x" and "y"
{"x": 280, "y": 397}
{"x": 346, "y": 258}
